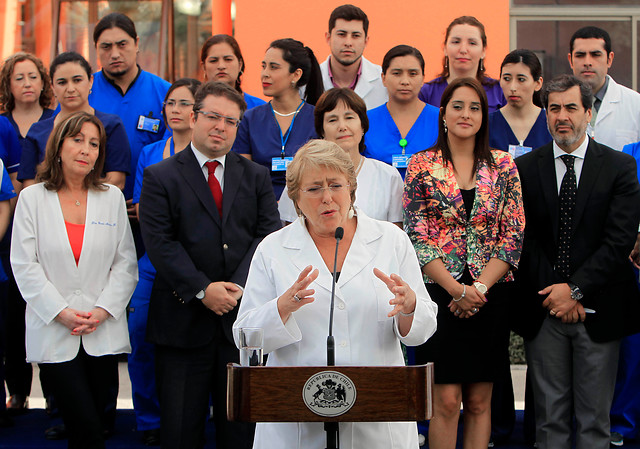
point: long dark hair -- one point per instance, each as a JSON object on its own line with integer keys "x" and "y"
{"x": 528, "y": 58}
{"x": 233, "y": 43}
{"x": 481, "y": 150}
{"x": 300, "y": 57}
{"x": 50, "y": 171}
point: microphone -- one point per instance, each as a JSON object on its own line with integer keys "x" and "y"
{"x": 331, "y": 344}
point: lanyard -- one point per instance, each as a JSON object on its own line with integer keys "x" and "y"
{"x": 285, "y": 138}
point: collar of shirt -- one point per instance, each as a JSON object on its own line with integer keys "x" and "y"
{"x": 600, "y": 94}
{"x": 202, "y": 159}
{"x": 355, "y": 80}
{"x": 116, "y": 87}
{"x": 561, "y": 168}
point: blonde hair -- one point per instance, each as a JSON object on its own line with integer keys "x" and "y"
{"x": 315, "y": 154}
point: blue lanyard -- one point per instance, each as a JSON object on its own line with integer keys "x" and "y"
{"x": 285, "y": 138}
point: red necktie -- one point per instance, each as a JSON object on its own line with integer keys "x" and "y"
{"x": 214, "y": 185}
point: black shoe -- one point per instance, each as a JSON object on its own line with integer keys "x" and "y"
{"x": 5, "y": 420}
{"x": 17, "y": 404}
{"x": 151, "y": 437}
{"x": 58, "y": 432}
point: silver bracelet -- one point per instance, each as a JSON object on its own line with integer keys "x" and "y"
{"x": 408, "y": 314}
{"x": 464, "y": 293}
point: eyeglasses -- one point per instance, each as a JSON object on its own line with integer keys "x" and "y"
{"x": 317, "y": 191}
{"x": 182, "y": 104}
{"x": 214, "y": 117}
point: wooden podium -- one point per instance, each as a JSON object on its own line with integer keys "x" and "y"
{"x": 275, "y": 394}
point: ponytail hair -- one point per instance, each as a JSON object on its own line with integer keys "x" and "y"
{"x": 300, "y": 57}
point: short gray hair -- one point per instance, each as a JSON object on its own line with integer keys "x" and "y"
{"x": 315, "y": 154}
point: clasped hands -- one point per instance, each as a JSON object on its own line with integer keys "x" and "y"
{"x": 561, "y": 305}
{"x": 298, "y": 295}
{"x": 82, "y": 323}
{"x": 469, "y": 305}
{"x": 221, "y": 297}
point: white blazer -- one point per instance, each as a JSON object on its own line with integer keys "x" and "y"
{"x": 369, "y": 86}
{"x": 363, "y": 333}
{"x": 49, "y": 279}
{"x": 618, "y": 121}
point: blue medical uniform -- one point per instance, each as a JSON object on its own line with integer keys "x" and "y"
{"x": 625, "y": 408}
{"x": 6, "y": 193}
{"x": 142, "y": 358}
{"x": 10, "y": 149}
{"x": 382, "y": 139}
{"x": 46, "y": 113}
{"x": 260, "y": 136}
{"x": 252, "y": 101}
{"x": 501, "y": 135}
{"x": 118, "y": 153}
{"x": 144, "y": 97}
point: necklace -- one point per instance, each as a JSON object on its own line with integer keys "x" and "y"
{"x": 359, "y": 165}
{"x": 286, "y": 115}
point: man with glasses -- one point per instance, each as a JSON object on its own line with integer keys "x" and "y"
{"x": 202, "y": 214}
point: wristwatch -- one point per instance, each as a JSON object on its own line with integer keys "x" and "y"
{"x": 576, "y": 293}
{"x": 481, "y": 287}
{"x": 200, "y": 295}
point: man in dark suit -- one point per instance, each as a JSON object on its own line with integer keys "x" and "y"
{"x": 582, "y": 207}
{"x": 202, "y": 213}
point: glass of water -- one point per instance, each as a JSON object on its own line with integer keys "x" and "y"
{"x": 251, "y": 339}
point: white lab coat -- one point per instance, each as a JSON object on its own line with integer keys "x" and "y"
{"x": 369, "y": 86}
{"x": 363, "y": 333}
{"x": 49, "y": 279}
{"x": 618, "y": 120}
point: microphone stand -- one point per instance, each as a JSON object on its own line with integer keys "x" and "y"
{"x": 331, "y": 428}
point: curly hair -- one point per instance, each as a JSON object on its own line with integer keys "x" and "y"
{"x": 7, "y": 102}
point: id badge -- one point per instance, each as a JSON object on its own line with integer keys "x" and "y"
{"x": 148, "y": 124}
{"x": 518, "y": 150}
{"x": 280, "y": 163}
{"x": 400, "y": 160}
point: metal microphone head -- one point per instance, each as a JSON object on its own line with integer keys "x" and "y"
{"x": 339, "y": 233}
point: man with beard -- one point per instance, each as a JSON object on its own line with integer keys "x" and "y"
{"x": 346, "y": 67}
{"x": 578, "y": 291}
{"x": 124, "y": 89}
{"x": 615, "y": 118}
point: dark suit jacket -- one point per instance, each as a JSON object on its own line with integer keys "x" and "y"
{"x": 190, "y": 246}
{"x": 605, "y": 226}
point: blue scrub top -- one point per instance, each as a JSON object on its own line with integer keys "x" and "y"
{"x": 6, "y": 193}
{"x": 382, "y": 139}
{"x": 634, "y": 150}
{"x": 46, "y": 113}
{"x": 118, "y": 154}
{"x": 151, "y": 154}
{"x": 431, "y": 93}
{"x": 10, "y": 149}
{"x": 260, "y": 136}
{"x": 144, "y": 97}
{"x": 501, "y": 135}
{"x": 252, "y": 101}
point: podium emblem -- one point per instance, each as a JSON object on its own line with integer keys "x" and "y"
{"x": 329, "y": 393}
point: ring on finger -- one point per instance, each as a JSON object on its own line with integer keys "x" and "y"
{"x": 474, "y": 310}
{"x": 552, "y": 312}
{"x": 296, "y": 297}
{"x": 456, "y": 313}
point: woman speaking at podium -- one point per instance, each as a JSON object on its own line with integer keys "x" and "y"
{"x": 380, "y": 298}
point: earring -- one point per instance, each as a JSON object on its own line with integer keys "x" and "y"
{"x": 446, "y": 63}
{"x": 481, "y": 65}
{"x": 351, "y": 213}
{"x": 240, "y": 73}
{"x": 59, "y": 160}
{"x": 444, "y": 123}
{"x": 293, "y": 84}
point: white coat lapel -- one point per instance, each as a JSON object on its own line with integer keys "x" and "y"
{"x": 362, "y": 250}
{"x": 305, "y": 253}
{"x": 59, "y": 230}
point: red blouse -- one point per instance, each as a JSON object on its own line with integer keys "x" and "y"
{"x": 75, "y": 232}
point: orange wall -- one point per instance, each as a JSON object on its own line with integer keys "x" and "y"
{"x": 418, "y": 23}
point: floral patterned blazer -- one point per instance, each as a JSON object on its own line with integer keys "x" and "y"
{"x": 437, "y": 223}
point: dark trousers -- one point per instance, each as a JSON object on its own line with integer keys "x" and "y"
{"x": 18, "y": 372}
{"x": 3, "y": 313}
{"x": 81, "y": 390}
{"x": 186, "y": 378}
